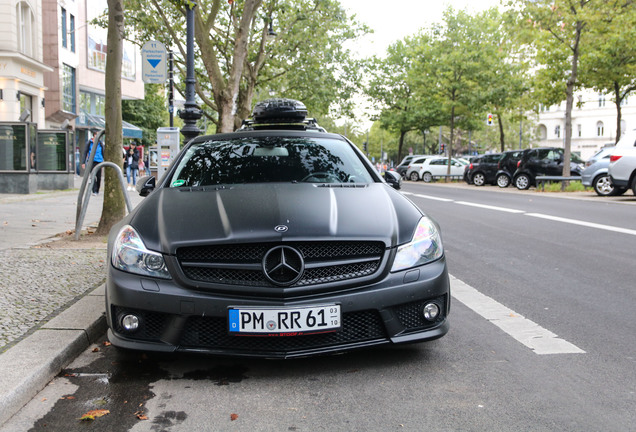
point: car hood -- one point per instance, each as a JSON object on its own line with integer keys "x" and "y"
{"x": 173, "y": 217}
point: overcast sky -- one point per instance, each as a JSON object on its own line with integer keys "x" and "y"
{"x": 393, "y": 20}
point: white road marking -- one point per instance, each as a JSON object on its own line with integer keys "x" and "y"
{"x": 537, "y": 215}
{"x": 583, "y": 223}
{"x": 489, "y": 207}
{"x": 532, "y": 335}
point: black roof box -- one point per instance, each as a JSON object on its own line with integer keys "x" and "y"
{"x": 279, "y": 111}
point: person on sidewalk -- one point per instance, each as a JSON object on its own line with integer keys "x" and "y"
{"x": 97, "y": 158}
{"x": 132, "y": 165}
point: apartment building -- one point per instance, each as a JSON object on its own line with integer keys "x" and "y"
{"x": 593, "y": 122}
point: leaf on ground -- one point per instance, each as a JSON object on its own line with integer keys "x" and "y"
{"x": 106, "y": 343}
{"x": 233, "y": 417}
{"x": 93, "y": 414}
{"x": 95, "y": 349}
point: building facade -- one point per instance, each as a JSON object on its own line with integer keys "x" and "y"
{"x": 52, "y": 89}
{"x": 593, "y": 122}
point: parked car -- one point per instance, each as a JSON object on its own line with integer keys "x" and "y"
{"x": 414, "y": 165}
{"x": 483, "y": 169}
{"x": 506, "y": 167}
{"x": 404, "y": 165}
{"x": 596, "y": 174}
{"x": 433, "y": 166}
{"x": 279, "y": 240}
{"x": 543, "y": 161}
{"x": 622, "y": 167}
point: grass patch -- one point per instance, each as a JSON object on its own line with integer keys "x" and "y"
{"x": 572, "y": 186}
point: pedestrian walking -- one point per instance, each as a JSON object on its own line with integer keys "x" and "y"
{"x": 132, "y": 165}
{"x": 97, "y": 158}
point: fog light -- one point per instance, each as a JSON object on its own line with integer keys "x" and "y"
{"x": 130, "y": 323}
{"x": 430, "y": 311}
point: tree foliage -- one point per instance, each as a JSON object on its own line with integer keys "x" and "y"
{"x": 238, "y": 58}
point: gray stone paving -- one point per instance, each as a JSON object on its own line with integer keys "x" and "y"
{"x": 39, "y": 282}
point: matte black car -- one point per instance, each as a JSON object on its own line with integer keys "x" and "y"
{"x": 279, "y": 240}
{"x": 507, "y": 166}
{"x": 543, "y": 161}
{"x": 483, "y": 169}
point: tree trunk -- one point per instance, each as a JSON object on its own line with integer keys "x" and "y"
{"x": 502, "y": 136}
{"x": 619, "y": 111}
{"x": 400, "y": 145}
{"x": 114, "y": 206}
{"x": 569, "y": 101}
{"x": 450, "y": 142}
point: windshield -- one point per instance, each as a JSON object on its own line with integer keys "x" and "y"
{"x": 269, "y": 159}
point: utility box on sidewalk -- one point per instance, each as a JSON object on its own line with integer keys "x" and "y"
{"x": 166, "y": 150}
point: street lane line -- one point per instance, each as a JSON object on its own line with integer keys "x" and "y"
{"x": 532, "y": 335}
{"x": 489, "y": 207}
{"x": 537, "y": 215}
{"x": 582, "y": 223}
{"x": 433, "y": 198}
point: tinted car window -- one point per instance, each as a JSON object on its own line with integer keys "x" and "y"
{"x": 269, "y": 159}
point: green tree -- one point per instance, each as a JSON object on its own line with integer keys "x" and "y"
{"x": 559, "y": 30}
{"x": 609, "y": 59}
{"x": 239, "y": 58}
{"x": 150, "y": 113}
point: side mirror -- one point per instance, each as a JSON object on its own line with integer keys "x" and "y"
{"x": 145, "y": 185}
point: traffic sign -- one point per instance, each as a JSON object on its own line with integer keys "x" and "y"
{"x": 153, "y": 63}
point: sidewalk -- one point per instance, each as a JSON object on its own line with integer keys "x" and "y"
{"x": 51, "y": 289}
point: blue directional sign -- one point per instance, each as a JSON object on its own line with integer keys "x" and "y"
{"x": 153, "y": 63}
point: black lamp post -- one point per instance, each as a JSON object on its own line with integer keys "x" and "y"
{"x": 191, "y": 112}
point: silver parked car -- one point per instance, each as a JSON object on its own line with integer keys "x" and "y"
{"x": 622, "y": 168}
{"x": 596, "y": 176}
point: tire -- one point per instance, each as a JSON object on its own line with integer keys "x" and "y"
{"x": 603, "y": 186}
{"x": 619, "y": 191}
{"x": 479, "y": 179}
{"x": 522, "y": 182}
{"x": 503, "y": 181}
{"x": 414, "y": 176}
{"x": 427, "y": 177}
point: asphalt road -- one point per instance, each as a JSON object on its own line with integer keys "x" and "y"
{"x": 542, "y": 338}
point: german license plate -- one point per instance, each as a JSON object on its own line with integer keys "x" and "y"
{"x": 284, "y": 321}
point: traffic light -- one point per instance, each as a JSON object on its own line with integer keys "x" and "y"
{"x": 365, "y": 146}
{"x": 489, "y": 120}
{"x": 442, "y": 147}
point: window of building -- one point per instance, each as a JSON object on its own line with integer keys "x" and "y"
{"x": 557, "y": 131}
{"x": 26, "y": 28}
{"x": 63, "y": 16}
{"x": 601, "y": 100}
{"x": 72, "y": 31}
{"x": 579, "y": 130}
{"x": 542, "y": 131}
{"x": 600, "y": 129}
{"x": 623, "y": 127}
{"x": 624, "y": 101}
{"x": 68, "y": 89}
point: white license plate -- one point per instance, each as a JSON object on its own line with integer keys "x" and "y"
{"x": 284, "y": 321}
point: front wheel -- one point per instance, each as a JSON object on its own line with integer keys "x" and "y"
{"x": 414, "y": 176}
{"x": 503, "y": 181}
{"x": 522, "y": 181}
{"x": 603, "y": 186}
{"x": 427, "y": 177}
{"x": 479, "y": 179}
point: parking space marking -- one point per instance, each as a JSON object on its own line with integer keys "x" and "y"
{"x": 583, "y": 223}
{"x": 529, "y": 333}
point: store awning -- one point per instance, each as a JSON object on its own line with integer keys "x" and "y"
{"x": 90, "y": 121}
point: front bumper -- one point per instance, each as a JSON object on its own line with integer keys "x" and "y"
{"x": 173, "y": 318}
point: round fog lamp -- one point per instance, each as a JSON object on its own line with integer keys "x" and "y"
{"x": 430, "y": 311}
{"x": 130, "y": 323}
{"x": 154, "y": 262}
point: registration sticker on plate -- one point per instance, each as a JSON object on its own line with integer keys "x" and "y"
{"x": 284, "y": 321}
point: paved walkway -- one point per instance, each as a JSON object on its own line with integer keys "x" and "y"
{"x": 51, "y": 289}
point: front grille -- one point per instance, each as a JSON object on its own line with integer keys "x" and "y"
{"x": 212, "y": 333}
{"x": 324, "y": 262}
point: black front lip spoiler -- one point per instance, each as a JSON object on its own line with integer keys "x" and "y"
{"x": 422, "y": 336}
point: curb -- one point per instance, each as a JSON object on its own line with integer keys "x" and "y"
{"x": 31, "y": 364}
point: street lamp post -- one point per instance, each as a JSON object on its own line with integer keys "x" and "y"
{"x": 191, "y": 111}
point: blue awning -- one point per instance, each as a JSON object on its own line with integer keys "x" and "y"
{"x": 90, "y": 121}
